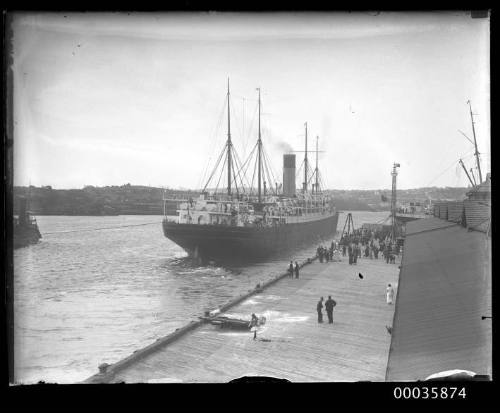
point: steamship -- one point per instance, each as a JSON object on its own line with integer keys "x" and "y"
{"x": 252, "y": 220}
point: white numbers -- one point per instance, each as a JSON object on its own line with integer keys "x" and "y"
{"x": 435, "y": 393}
{"x": 428, "y": 392}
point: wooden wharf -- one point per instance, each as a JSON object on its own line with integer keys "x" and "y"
{"x": 292, "y": 344}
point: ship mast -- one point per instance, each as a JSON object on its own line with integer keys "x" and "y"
{"x": 229, "y": 160}
{"x": 316, "y": 172}
{"x": 305, "y": 163}
{"x": 475, "y": 144}
{"x": 259, "y": 142}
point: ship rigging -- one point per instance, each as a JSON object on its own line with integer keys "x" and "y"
{"x": 229, "y": 163}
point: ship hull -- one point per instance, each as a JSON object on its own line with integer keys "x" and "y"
{"x": 408, "y": 218}
{"x": 26, "y": 235}
{"x": 247, "y": 243}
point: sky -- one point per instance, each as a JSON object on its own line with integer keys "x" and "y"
{"x": 115, "y": 98}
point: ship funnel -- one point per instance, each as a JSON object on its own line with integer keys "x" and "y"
{"x": 289, "y": 175}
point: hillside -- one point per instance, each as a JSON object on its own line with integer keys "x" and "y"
{"x": 144, "y": 200}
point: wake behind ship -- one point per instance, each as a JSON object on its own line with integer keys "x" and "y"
{"x": 252, "y": 220}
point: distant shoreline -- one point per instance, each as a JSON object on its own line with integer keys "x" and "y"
{"x": 144, "y": 200}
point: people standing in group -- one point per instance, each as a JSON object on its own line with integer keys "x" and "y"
{"x": 389, "y": 294}
{"x": 290, "y": 269}
{"x": 319, "y": 309}
{"x": 329, "y": 308}
{"x": 296, "y": 270}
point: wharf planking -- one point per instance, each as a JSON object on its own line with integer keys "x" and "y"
{"x": 291, "y": 345}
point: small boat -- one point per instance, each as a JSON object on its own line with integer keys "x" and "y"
{"x": 226, "y": 322}
{"x": 233, "y": 323}
{"x": 26, "y": 230}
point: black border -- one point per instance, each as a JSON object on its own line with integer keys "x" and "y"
{"x": 231, "y": 397}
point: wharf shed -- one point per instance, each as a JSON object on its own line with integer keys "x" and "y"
{"x": 478, "y": 207}
{"x": 455, "y": 211}
{"x": 436, "y": 209}
{"x": 444, "y": 293}
{"x": 473, "y": 212}
{"x": 443, "y": 210}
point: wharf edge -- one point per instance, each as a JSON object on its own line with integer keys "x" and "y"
{"x": 111, "y": 369}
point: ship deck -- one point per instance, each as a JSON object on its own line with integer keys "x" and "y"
{"x": 292, "y": 345}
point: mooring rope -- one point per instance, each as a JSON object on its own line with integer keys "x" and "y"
{"x": 103, "y": 228}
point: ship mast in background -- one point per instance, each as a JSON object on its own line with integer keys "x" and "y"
{"x": 229, "y": 160}
{"x": 476, "y": 153}
{"x": 316, "y": 171}
{"x": 259, "y": 155}
{"x": 304, "y": 188}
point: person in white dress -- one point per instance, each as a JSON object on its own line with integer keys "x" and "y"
{"x": 389, "y": 294}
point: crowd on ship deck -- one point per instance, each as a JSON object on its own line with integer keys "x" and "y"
{"x": 243, "y": 214}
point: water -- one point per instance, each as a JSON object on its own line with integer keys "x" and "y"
{"x": 97, "y": 288}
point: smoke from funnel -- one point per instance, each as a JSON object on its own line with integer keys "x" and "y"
{"x": 284, "y": 146}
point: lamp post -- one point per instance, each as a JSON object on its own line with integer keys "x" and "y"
{"x": 393, "y": 201}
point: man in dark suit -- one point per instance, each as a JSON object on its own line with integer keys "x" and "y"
{"x": 319, "y": 308}
{"x": 296, "y": 270}
{"x": 329, "y": 308}
{"x": 290, "y": 269}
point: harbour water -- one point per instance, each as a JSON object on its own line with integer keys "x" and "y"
{"x": 97, "y": 288}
